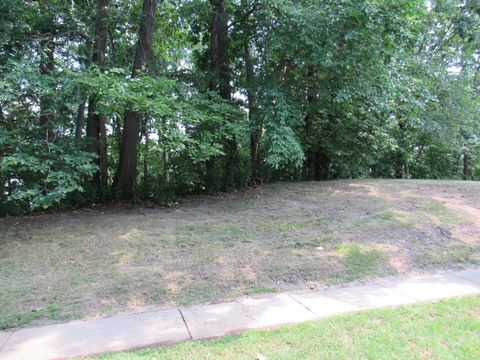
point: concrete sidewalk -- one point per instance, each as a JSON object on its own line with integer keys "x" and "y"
{"x": 89, "y": 337}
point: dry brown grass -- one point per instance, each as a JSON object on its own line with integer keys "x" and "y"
{"x": 277, "y": 237}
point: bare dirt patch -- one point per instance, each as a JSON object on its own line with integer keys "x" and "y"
{"x": 273, "y": 238}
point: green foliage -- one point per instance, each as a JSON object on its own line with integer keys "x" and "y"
{"x": 40, "y": 174}
{"x": 283, "y": 149}
{"x": 338, "y": 89}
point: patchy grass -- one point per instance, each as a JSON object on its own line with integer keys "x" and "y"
{"x": 51, "y": 311}
{"x": 104, "y": 261}
{"x": 456, "y": 253}
{"x": 390, "y": 218}
{"x": 437, "y": 212}
{"x": 445, "y": 330}
{"x": 360, "y": 262}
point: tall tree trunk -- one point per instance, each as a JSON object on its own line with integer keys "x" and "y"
{"x": 96, "y": 130}
{"x": 165, "y": 156}
{"x": 145, "y": 154}
{"x": 117, "y": 129}
{"x": 127, "y": 168}
{"x": 79, "y": 121}
{"x": 401, "y": 163}
{"x": 166, "y": 171}
{"x": 466, "y": 167}
{"x": 220, "y": 82}
{"x": 312, "y": 152}
{"x": 2, "y": 120}
{"x": 47, "y": 65}
{"x": 219, "y": 50}
{"x": 103, "y": 153}
{"x": 255, "y": 130}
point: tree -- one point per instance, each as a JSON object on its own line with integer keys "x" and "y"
{"x": 232, "y": 92}
{"x": 47, "y": 66}
{"x": 96, "y": 129}
{"x": 127, "y": 167}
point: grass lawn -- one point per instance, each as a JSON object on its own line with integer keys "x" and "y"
{"x": 445, "y": 330}
{"x": 104, "y": 261}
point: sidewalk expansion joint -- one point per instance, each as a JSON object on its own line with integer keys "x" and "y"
{"x": 302, "y": 304}
{"x": 185, "y": 323}
{"x": 465, "y": 278}
{"x": 5, "y": 344}
{"x": 398, "y": 292}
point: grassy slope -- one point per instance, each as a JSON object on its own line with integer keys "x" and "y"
{"x": 444, "y": 330}
{"x": 274, "y": 238}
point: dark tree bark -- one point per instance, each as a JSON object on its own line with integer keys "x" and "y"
{"x": 466, "y": 167}
{"x": 145, "y": 154}
{"x": 127, "y": 168}
{"x": 311, "y": 153}
{"x": 96, "y": 130}
{"x": 117, "y": 129}
{"x": 79, "y": 121}
{"x": 220, "y": 82}
{"x": 166, "y": 171}
{"x": 103, "y": 153}
{"x": 101, "y": 33}
{"x": 165, "y": 157}
{"x": 255, "y": 130}
{"x": 317, "y": 158}
{"x": 401, "y": 164}
{"x": 219, "y": 50}
{"x": 312, "y": 159}
{"x": 92, "y": 126}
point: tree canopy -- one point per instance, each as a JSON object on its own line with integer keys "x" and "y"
{"x": 153, "y": 99}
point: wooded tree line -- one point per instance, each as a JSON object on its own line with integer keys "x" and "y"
{"x": 152, "y": 99}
